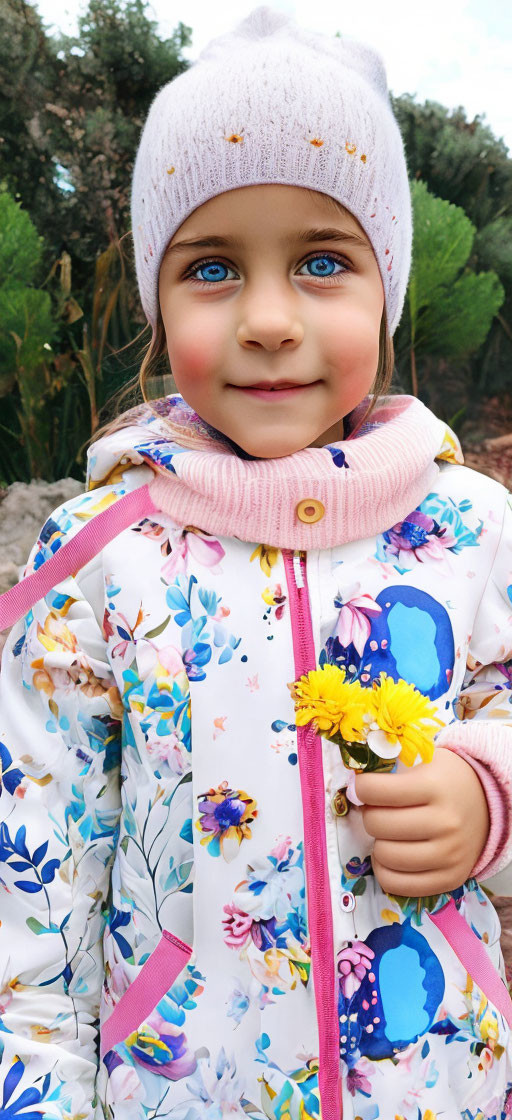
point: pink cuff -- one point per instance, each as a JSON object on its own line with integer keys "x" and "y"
{"x": 487, "y": 747}
{"x": 497, "y": 806}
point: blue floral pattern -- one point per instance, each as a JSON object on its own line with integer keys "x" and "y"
{"x": 145, "y": 715}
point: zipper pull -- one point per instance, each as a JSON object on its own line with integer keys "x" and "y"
{"x": 297, "y": 571}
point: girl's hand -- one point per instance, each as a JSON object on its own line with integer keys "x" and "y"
{"x": 430, "y": 824}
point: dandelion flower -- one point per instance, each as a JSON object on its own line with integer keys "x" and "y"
{"x": 336, "y": 707}
{"x": 404, "y": 723}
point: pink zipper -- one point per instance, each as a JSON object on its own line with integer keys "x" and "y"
{"x": 317, "y": 879}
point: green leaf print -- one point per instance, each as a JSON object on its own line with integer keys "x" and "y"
{"x": 158, "y": 629}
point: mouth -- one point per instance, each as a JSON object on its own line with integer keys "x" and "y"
{"x": 275, "y": 389}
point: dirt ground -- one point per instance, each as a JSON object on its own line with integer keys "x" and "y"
{"x": 486, "y": 439}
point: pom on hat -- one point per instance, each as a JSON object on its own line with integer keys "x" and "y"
{"x": 271, "y": 102}
{"x": 263, "y": 21}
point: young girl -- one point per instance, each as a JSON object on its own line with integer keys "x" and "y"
{"x": 213, "y": 903}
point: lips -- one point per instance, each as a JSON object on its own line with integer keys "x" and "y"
{"x": 280, "y": 390}
{"x": 270, "y": 386}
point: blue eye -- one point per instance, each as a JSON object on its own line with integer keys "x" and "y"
{"x": 216, "y": 271}
{"x": 321, "y": 262}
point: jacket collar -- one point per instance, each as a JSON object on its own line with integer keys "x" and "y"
{"x": 316, "y": 498}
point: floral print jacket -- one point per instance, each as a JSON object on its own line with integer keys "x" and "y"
{"x": 190, "y": 927}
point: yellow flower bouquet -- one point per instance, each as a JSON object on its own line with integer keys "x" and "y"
{"x": 374, "y": 727}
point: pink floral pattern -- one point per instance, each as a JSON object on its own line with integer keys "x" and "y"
{"x": 353, "y": 964}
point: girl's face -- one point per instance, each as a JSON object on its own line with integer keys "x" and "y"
{"x": 266, "y": 296}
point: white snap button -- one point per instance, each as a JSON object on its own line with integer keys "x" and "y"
{"x": 347, "y": 902}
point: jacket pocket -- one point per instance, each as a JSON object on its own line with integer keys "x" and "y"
{"x": 155, "y": 978}
{"x": 474, "y": 957}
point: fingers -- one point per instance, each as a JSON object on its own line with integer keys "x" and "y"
{"x": 419, "y": 856}
{"x": 419, "y": 820}
{"x": 415, "y": 884}
{"x": 413, "y": 788}
{"x": 417, "y": 823}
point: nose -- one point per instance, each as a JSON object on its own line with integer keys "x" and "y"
{"x": 269, "y": 321}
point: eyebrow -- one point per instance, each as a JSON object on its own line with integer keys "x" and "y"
{"x": 330, "y": 233}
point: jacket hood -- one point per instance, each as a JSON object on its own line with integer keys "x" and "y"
{"x": 358, "y": 486}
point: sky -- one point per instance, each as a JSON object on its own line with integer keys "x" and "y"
{"x": 456, "y": 52}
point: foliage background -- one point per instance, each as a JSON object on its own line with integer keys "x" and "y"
{"x": 71, "y": 112}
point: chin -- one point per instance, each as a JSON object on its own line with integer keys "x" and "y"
{"x": 273, "y": 451}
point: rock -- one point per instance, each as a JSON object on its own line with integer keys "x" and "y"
{"x": 492, "y": 459}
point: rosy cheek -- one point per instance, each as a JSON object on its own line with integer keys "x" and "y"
{"x": 192, "y": 360}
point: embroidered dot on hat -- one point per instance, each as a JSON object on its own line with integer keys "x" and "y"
{"x": 271, "y": 102}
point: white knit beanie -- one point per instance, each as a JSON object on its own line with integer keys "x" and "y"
{"x": 270, "y": 102}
